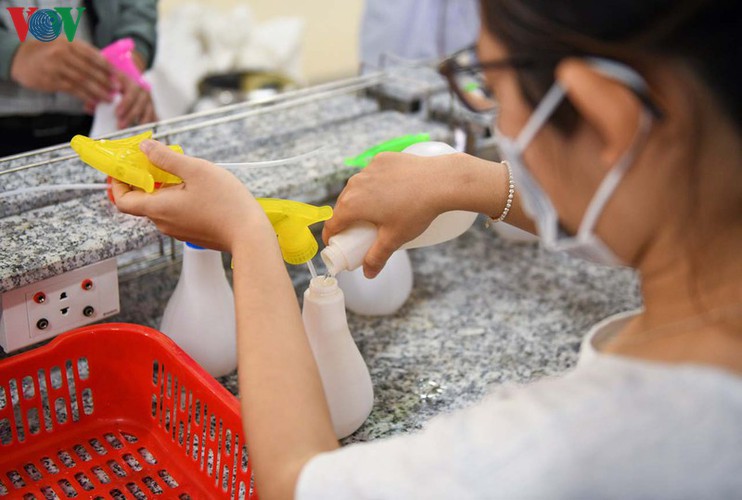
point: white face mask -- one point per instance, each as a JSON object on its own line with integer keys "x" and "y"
{"x": 536, "y": 203}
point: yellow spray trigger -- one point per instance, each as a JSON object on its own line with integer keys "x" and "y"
{"x": 291, "y": 221}
{"x": 122, "y": 160}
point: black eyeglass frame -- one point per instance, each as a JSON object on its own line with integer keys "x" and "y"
{"x": 449, "y": 68}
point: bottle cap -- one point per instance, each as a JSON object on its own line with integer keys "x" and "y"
{"x": 195, "y": 247}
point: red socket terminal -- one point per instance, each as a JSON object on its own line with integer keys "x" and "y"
{"x": 87, "y": 284}
{"x": 39, "y": 298}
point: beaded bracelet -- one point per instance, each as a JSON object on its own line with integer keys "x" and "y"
{"x": 509, "y": 201}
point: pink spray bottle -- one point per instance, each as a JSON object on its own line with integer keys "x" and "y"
{"x": 120, "y": 55}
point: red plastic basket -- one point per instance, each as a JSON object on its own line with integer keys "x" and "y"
{"x": 118, "y": 411}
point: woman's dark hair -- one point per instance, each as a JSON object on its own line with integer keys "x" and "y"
{"x": 701, "y": 33}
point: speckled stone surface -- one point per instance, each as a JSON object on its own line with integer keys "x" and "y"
{"x": 233, "y": 141}
{"x": 424, "y": 90}
{"x": 410, "y": 83}
{"x": 54, "y": 238}
{"x": 447, "y": 108}
{"x": 483, "y": 312}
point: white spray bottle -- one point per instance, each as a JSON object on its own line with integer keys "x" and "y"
{"x": 345, "y": 377}
{"x": 383, "y": 295}
{"x": 200, "y": 314}
{"x": 386, "y": 293}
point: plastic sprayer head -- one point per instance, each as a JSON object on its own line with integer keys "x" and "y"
{"x": 78, "y": 143}
{"x": 291, "y": 221}
{"x": 123, "y": 160}
{"x": 120, "y": 55}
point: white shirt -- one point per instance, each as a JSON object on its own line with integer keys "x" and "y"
{"x": 611, "y": 428}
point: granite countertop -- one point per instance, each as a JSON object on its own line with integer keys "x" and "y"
{"x": 408, "y": 83}
{"x": 422, "y": 88}
{"x": 483, "y": 312}
{"x": 446, "y": 108}
{"x": 218, "y": 140}
{"x": 58, "y": 236}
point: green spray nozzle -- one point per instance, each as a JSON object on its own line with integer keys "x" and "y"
{"x": 291, "y": 221}
{"x": 395, "y": 145}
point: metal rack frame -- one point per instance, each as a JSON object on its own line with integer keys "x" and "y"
{"x": 237, "y": 112}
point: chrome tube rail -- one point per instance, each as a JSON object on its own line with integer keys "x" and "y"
{"x": 237, "y": 112}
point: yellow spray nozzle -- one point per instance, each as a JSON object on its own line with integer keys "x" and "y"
{"x": 122, "y": 160}
{"x": 291, "y": 221}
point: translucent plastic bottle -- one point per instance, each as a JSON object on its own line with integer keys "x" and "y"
{"x": 200, "y": 316}
{"x": 104, "y": 120}
{"x": 385, "y": 294}
{"x": 345, "y": 377}
{"x": 345, "y": 251}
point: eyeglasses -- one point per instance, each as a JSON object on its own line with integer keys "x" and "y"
{"x": 465, "y": 75}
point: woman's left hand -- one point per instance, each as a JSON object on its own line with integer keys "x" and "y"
{"x": 211, "y": 208}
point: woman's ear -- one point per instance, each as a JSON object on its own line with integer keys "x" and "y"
{"x": 604, "y": 103}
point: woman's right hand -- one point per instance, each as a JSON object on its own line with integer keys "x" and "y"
{"x": 399, "y": 193}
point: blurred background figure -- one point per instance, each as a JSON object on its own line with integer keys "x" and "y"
{"x": 416, "y": 29}
{"x": 48, "y": 90}
{"x": 203, "y": 61}
{"x": 210, "y": 53}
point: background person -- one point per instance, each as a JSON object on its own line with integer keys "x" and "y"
{"x": 416, "y": 30}
{"x": 48, "y": 90}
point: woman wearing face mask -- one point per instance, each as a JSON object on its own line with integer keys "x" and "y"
{"x": 621, "y": 125}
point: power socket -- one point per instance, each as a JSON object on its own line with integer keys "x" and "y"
{"x": 45, "y": 309}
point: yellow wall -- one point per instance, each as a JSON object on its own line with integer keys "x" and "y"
{"x": 331, "y": 31}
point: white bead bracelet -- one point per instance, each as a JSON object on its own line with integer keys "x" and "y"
{"x": 509, "y": 201}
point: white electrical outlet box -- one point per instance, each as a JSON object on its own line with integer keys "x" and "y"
{"x": 45, "y": 309}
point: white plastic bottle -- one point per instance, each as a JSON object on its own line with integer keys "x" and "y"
{"x": 104, "y": 119}
{"x": 448, "y": 225}
{"x": 200, "y": 316}
{"x": 383, "y": 295}
{"x": 345, "y": 377}
{"x": 345, "y": 251}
